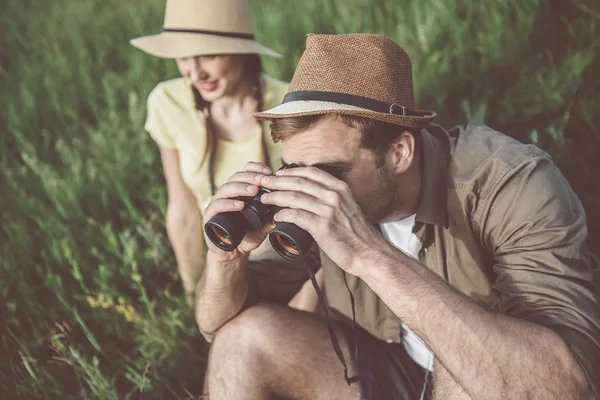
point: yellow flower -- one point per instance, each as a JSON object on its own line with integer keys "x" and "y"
{"x": 108, "y": 303}
{"x": 92, "y": 302}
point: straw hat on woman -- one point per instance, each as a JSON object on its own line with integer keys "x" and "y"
{"x": 203, "y": 122}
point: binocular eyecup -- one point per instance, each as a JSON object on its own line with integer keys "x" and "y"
{"x": 227, "y": 230}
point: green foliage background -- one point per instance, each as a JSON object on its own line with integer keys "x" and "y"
{"x": 90, "y": 302}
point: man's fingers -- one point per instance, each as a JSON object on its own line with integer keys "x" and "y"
{"x": 248, "y": 177}
{"x": 241, "y": 184}
{"x": 261, "y": 168}
{"x": 218, "y": 206}
{"x": 235, "y": 189}
{"x": 304, "y": 219}
{"x": 295, "y": 199}
{"x": 294, "y": 183}
{"x": 314, "y": 174}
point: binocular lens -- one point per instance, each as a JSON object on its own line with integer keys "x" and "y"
{"x": 290, "y": 241}
{"x": 288, "y": 246}
{"x": 222, "y": 236}
{"x": 226, "y": 230}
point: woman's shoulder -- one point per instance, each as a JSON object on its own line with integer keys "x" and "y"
{"x": 275, "y": 90}
{"x": 172, "y": 92}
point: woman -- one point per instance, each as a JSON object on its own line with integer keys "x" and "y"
{"x": 203, "y": 122}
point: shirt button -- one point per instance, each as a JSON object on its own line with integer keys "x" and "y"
{"x": 390, "y": 341}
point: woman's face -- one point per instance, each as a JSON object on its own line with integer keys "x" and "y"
{"x": 214, "y": 76}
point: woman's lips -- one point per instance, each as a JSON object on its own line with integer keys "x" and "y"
{"x": 208, "y": 86}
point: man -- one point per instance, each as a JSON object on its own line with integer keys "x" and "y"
{"x": 464, "y": 251}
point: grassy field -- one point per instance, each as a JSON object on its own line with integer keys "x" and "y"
{"x": 90, "y": 303}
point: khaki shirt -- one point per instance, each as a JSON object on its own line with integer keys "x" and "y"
{"x": 500, "y": 223}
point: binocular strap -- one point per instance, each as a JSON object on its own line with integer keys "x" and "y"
{"x": 327, "y": 311}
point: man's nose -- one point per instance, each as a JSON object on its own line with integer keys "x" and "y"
{"x": 196, "y": 71}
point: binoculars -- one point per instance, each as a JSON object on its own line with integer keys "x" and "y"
{"x": 227, "y": 230}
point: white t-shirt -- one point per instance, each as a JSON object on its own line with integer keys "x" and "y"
{"x": 400, "y": 234}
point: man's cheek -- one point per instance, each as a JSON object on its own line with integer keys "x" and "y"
{"x": 357, "y": 191}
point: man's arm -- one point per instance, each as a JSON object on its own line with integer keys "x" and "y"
{"x": 549, "y": 311}
{"x": 445, "y": 387}
{"x": 221, "y": 293}
{"x": 491, "y": 356}
{"x": 250, "y": 273}
{"x": 534, "y": 227}
{"x": 229, "y": 287}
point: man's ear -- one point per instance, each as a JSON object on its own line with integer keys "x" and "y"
{"x": 403, "y": 152}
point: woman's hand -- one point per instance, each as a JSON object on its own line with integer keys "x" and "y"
{"x": 243, "y": 183}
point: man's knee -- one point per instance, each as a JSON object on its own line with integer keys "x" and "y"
{"x": 254, "y": 329}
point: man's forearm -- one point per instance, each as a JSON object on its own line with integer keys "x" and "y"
{"x": 489, "y": 355}
{"x": 445, "y": 387}
{"x": 221, "y": 292}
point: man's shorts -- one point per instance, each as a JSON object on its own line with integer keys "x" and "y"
{"x": 386, "y": 371}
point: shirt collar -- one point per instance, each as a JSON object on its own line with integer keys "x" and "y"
{"x": 435, "y": 151}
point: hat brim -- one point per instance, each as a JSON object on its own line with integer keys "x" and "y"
{"x": 183, "y": 44}
{"x": 315, "y": 107}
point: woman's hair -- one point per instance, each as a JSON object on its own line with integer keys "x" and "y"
{"x": 252, "y": 72}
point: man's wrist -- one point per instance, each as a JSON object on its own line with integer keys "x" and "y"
{"x": 371, "y": 263}
{"x": 220, "y": 270}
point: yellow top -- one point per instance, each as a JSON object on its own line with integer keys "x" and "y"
{"x": 173, "y": 123}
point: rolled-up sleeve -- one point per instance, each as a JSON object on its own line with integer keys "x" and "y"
{"x": 535, "y": 226}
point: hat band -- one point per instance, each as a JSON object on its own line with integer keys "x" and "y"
{"x": 249, "y": 36}
{"x": 352, "y": 100}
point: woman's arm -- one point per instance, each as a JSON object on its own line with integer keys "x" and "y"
{"x": 184, "y": 224}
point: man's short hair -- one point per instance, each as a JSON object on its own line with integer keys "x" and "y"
{"x": 377, "y": 136}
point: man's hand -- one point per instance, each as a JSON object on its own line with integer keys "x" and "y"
{"x": 325, "y": 207}
{"x": 243, "y": 183}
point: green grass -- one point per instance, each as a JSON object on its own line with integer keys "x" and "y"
{"x": 91, "y": 305}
